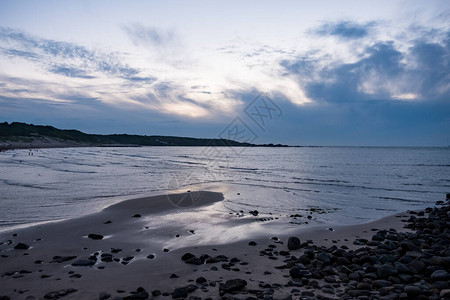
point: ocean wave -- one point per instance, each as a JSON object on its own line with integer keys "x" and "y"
{"x": 25, "y": 185}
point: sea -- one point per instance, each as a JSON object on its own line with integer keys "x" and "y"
{"x": 346, "y": 185}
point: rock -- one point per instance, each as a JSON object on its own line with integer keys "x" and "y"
{"x": 364, "y": 286}
{"x": 293, "y": 243}
{"x": 187, "y": 256}
{"x": 200, "y": 280}
{"x": 151, "y": 256}
{"x": 412, "y": 290}
{"x": 156, "y": 293}
{"x": 440, "y": 285}
{"x": 59, "y": 294}
{"x": 180, "y": 292}
{"x": 441, "y": 261}
{"x": 194, "y": 261}
{"x": 378, "y": 237}
{"x": 95, "y": 236}
{"x": 297, "y": 272}
{"x": 232, "y": 285}
{"x": 191, "y": 288}
{"x": 139, "y": 294}
{"x": 327, "y": 290}
{"x": 406, "y": 246}
{"x": 386, "y": 270}
{"x": 174, "y": 276}
{"x": 342, "y": 261}
{"x": 354, "y": 276}
{"x": 104, "y": 296}
{"x": 381, "y": 283}
{"x": 252, "y": 243}
{"x": 21, "y": 246}
{"x": 137, "y": 216}
{"x": 445, "y": 293}
{"x": 324, "y": 257}
{"x": 417, "y": 265}
{"x": 360, "y": 242}
{"x": 254, "y": 212}
{"x": 83, "y": 263}
{"x": 439, "y": 275}
{"x": 61, "y": 259}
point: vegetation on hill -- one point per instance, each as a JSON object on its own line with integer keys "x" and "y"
{"x": 20, "y": 131}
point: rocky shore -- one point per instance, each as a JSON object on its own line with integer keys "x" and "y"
{"x": 382, "y": 262}
{"x": 391, "y": 265}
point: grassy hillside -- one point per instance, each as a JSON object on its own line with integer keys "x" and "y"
{"x": 27, "y": 132}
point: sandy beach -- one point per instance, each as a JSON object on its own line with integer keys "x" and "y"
{"x": 129, "y": 251}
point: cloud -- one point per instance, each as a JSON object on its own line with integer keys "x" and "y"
{"x": 90, "y": 76}
{"x": 70, "y": 71}
{"x": 148, "y": 35}
{"x": 62, "y": 58}
{"x": 432, "y": 71}
{"x": 345, "y": 29}
{"x": 380, "y": 71}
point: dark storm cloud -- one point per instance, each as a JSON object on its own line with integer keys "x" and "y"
{"x": 345, "y": 29}
{"x": 343, "y": 112}
{"x": 422, "y": 69}
{"x": 383, "y": 60}
{"x": 433, "y": 67}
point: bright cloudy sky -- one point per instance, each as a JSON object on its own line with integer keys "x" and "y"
{"x": 340, "y": 72}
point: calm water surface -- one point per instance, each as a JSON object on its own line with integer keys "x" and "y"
{"x": 353, "y": 184}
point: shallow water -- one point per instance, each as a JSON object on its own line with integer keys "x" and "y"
{"x": 352, "y": 184}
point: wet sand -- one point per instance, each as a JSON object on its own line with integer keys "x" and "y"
{"x": 129, "y": 250}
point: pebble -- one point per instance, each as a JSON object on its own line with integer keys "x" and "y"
{"x": 95, "y": 236}
{"x": 232, "y": 285}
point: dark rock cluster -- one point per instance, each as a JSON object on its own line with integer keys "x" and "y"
{"x": 392, "y": 265}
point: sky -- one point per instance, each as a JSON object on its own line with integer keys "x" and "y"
{"x": 338, "y": 73}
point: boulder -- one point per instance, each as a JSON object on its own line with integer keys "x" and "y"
{"x": 187, "y": 256}
{"x": 21, "y": 246}
{"x": 293, "y": 243}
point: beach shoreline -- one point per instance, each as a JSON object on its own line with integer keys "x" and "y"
{"x": 131, "y": 245}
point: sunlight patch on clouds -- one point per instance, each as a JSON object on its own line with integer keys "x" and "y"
{"x": 185, "y": 109}
{"x": 406, "y": 96}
